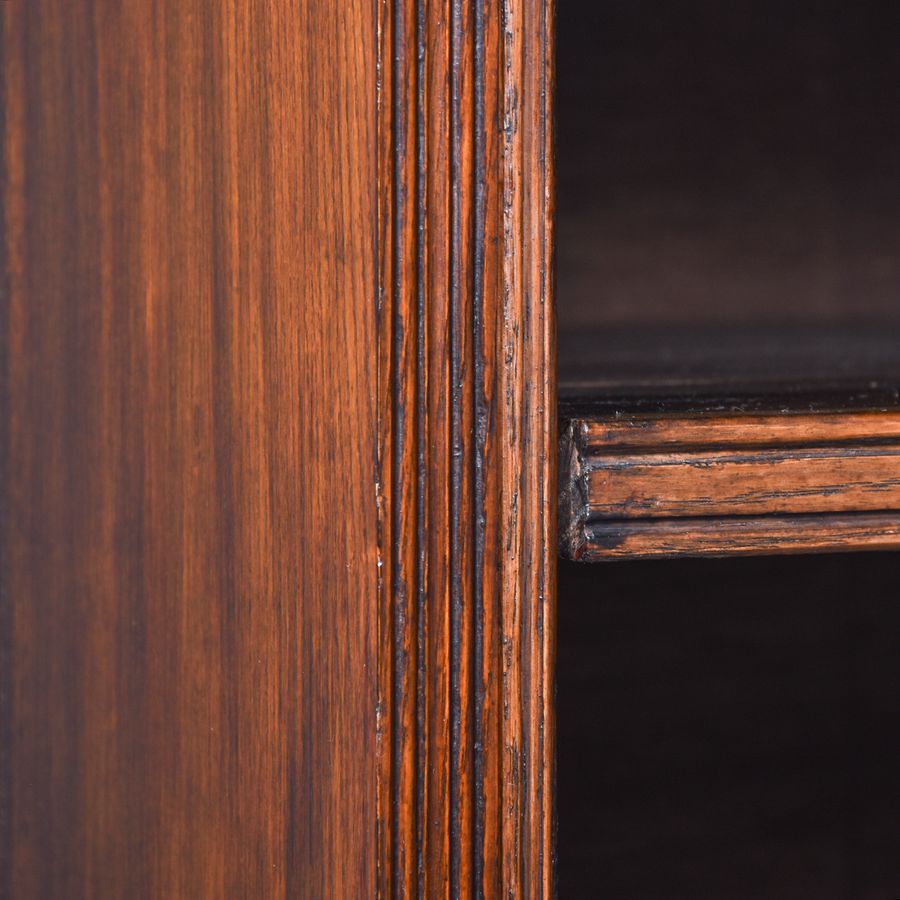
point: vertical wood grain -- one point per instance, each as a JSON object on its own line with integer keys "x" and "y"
{"x": 188, "y": 625}
{"x": 467, "y": 448}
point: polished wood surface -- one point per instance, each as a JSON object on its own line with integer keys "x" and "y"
{"x": 187, "y": 644}
{"x": 466, "y": 479}
{"x": 729, "y": 484}
{"x": 743, "y": 483}
{"x": 734, "y": 431}
{"x": 738, "y": 536}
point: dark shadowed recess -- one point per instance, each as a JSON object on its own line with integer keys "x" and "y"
{"x": 730, "y": 728}
{"x": 728, "y": 163}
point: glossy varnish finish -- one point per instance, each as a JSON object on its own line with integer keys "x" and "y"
{"x": 660, "y": 485}
{"x": 467, "y": 456}
{"x": 188, "y": 629}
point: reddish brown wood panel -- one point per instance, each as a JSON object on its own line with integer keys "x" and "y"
{"x": 744, "y": 482}
{"x": 467, "y": 459}
{"x": 740, "y": 536}
{"x": 678, "y": 484}
{"x": 188, "y": 435}
{"x": 718, "y": 431}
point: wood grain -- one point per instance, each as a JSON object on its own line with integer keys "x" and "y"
{"x": 466, "y": 469}
{"x": 740, "y": 536}
{"x": 798, "y": 480}
{"x": 657, "y": 433}
{"x": 667, "y": 485}
{"x": 187, "y": 644}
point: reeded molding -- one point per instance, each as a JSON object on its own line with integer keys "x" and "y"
{"x": 729, "y": 484}
{"x": 467, "y": 458}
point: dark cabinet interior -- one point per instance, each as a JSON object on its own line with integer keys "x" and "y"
{"x": 728, "y": 193}
{"x": 729, "y": 241}
{"x": 729, "y": 728}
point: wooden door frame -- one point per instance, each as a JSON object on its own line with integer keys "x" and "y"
{"x": 466, "y": 482}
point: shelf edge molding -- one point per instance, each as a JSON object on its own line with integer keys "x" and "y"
{"x": 466, "y": 489}
{"x": 663, "y": 485}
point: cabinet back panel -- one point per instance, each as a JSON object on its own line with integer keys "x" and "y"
{"x": 728, "y": 163}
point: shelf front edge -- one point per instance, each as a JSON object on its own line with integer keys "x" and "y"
{"x": 723, "y": 485}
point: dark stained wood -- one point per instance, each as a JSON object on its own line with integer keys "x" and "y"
{"x": 814, "y": 366}
{"x": 466, "y": 459}
{"x": 724, "y": 431}
{"x": 188, "y": 633}
{"x": 739, "y": 536}
{"x": 728, "y": 484}
{"x": 744, "y": 482}
{"x": 279, "y": 411}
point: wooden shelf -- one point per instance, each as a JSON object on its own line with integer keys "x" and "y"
{"x": 729, "y": 443}
{"x": 727, "y": 230}
{"x": 673, "y": 484}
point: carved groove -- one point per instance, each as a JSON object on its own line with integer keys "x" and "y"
{"x": 467, "y": 449}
